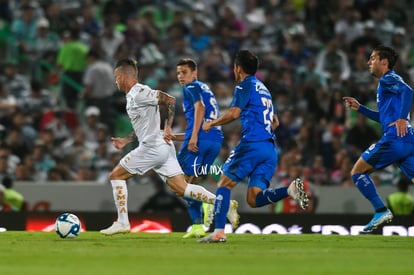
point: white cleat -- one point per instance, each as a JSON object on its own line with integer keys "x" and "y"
{"x": 232, "y": 215}
{"x": 116, "y": 228}
{"x": 297, "y": 191}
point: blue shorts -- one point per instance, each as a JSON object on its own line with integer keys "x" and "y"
{"x": 391, "y": 150}
{"x": 255, "y": 160}
{"x": 198, "y": 164}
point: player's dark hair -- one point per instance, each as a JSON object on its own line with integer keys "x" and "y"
{"x": 189, "y": 62}
{"x": 127, "y": 63}
{"x": 385, "y": 52}
{"x": 247, "y": 61}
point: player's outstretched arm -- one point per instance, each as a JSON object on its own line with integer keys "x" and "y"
{"x": 232, "y": 114}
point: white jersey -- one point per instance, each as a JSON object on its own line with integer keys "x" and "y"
{"x": 153, "y": 152}
{"x": 143, "y": 111}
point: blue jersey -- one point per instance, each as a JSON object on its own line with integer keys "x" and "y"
{"x": 394, "y": 98}
{"x": 255, "y": 102}
{"x": 198, "y": 91}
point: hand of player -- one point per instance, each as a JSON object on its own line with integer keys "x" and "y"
{"x": 120, "y": 142}
{"x": 351, "y": 103}
{"x": 402, "y": 127}
{"x": 192, "y": 144}
{"x": 207, "y": 126}
{"x": 168, "y": 135}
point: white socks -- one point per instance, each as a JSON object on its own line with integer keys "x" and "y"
{"x": 120, "y": 193}
{"x": 199, "y": 193}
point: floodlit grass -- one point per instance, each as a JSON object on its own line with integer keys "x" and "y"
{"x": 32, "y": 253}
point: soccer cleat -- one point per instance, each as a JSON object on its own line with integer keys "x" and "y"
{"x": 219, "y": 237}
{"x": 208, "y": 210}
{"x": 232, "y": 215}
{"x": 209, "y": 216}
{"x": 297, "y": 192}
{"x": 197, "y": 231}
{"x": 378, "y": 219}
{"x": 116, "y": 228}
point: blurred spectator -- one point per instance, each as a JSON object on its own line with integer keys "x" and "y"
{"x": 348, "y": 27}
{"x": 178, "y": 49}
{"x": 99, "y": 87}
{"x": 45, "y": 42}
{"x": 333, "y": 59}
{"x": 318, "y": 20}
{"x": 366, "y": 42}
{"x": 77, "y": 150}
{"x": 59, "y": 20}
{"x": 255, "y": 42}
{"x": 401, "y": 202}
{"x": 15, "y": 83}
{"x": 228, "y": 17}
{"x": 72, "y": 60}
{"x": 361, "y": 83}
{"x": 110, "y": 40}
{"x": 59, "y": 126}
{"x": 10, "y": 199}
{"x": 101, "y": 162}
{"x": 383, "y": 26}
{"x": 318, "y": 174}
{"x": 118, "y": 11}
{"x": 4, "y": 169}
{"x": 400, "y": 42}
{"x": 42, "y": 161}
{"x": 341, "y": 173}
{"x": 24, "y": 27}
{"x": 18, "y": 143}
{"x": 10, "y": 160}
{"x": 92, "y": 123}
{"x": 360, "y": 136}
{"x": 22, "y": 173}
{"x": 90, "y": 23}
{"x": 296, "y": 54}
{"x": 8, "y": 103}
{"x": 36, "y": 102}
{"x": 198, "y": 38}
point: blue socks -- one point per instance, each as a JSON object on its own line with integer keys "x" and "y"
{"x": 271, "y": 195}
{"x": 367, "y": 188}
{"x": 221, "y": 207}
{"x": 194, "y": 209}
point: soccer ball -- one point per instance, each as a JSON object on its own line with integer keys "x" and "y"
{"x": 68, "y": 225}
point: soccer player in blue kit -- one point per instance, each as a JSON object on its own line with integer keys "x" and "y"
{"x": 396, "y": 146}
{"x": 199, "y": 149}
{"x": 255, "y": 157}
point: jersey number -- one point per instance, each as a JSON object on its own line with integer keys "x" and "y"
{"x": 267, "y": 113}
{"x": 214, "y": 113}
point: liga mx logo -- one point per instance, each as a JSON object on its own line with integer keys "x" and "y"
{"x": 204, "y": 170}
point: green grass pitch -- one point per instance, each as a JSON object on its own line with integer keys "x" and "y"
{"x": 32, "y": 253}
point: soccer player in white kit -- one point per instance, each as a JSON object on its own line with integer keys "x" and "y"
{"x": 155, "y": 150}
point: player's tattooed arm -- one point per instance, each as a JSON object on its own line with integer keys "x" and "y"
{"x": 168, "y": 101}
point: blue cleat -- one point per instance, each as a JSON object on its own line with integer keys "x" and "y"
{"x": 378, "y": 219}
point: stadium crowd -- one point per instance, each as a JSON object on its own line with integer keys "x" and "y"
{"x": 59, "y": 105}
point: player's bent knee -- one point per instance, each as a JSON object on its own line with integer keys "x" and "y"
{"x": 251, "y": 201}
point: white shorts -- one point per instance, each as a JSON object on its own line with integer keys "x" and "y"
{"x": 161, "y": 158}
